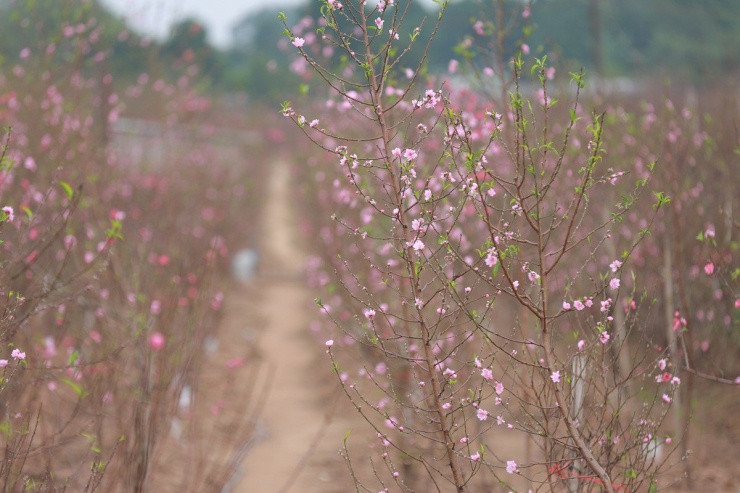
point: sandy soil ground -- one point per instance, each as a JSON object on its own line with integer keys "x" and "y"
{"x": 304, "y": 419}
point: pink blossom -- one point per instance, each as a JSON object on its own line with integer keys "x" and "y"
{"x": 410, "y": 154}
{"x": 581, "y": 345}
{"x": 156, "y": 341}
{"x": 614, "y": 284}
{"x": 499, "y": 388}
{"x": 491, "y": 260}
{"x": 678, "y": 321}
{"x": 482, "y": 414}
{"x": 604, "y": 337}
{"x": 299, "y": 42}
{"x": 486, "y": 373}
{"x": 370, "y": 313}
{"x": 379, "y": 23}
{"x": 452, "y": 66}
{"x": 566, "y": 305}
{"x": 662, "y": 363}
{"x": 578, "y": 305}
{"x": 475, "y": 457}
{"x": 3, "y": 363}
{"x": 234, "y": 363}
{"x": 614, "y": 266}
{"x": 418, "y": 245}
{"x": 555, "y": 376}
{"x": 709, "y": 268}
{"x": 511, "y": 467}
{"x": 9, "y": 212}
{"x": 17, "y": 354}
{"x": 666, "y": 398}
{"x": 329, "y": 343}
{"x": 525, "y": 49}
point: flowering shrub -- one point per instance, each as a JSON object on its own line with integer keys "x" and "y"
{"x": 116, "y": 229}
{"x": 484, "y": 248}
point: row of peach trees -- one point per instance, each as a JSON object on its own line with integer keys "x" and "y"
{"x": 111, "y": 266}
{"x": 514, "y": 259}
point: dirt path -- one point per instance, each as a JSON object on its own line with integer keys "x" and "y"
{"x": 297, "y": 445}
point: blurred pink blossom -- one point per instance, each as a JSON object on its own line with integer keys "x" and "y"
{"x": 156, "y": 341}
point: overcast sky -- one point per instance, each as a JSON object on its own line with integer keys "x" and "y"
{"x": 155, "y": 16}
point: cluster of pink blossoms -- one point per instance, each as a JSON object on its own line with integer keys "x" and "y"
{"x": 384, "y": 4}
{"x": 17, "y": 355}
{"x": 407, "y": 154}
{"x": 430, "y": 100}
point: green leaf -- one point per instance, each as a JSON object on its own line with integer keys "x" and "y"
{"x": 115, "y": 230}
{"x": 67, "y": 189}
{"x": 78, "y": 390}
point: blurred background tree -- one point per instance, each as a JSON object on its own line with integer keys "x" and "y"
{"x": 681, "y": 39}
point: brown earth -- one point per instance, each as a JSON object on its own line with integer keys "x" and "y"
{"x": 304, "y": 419}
